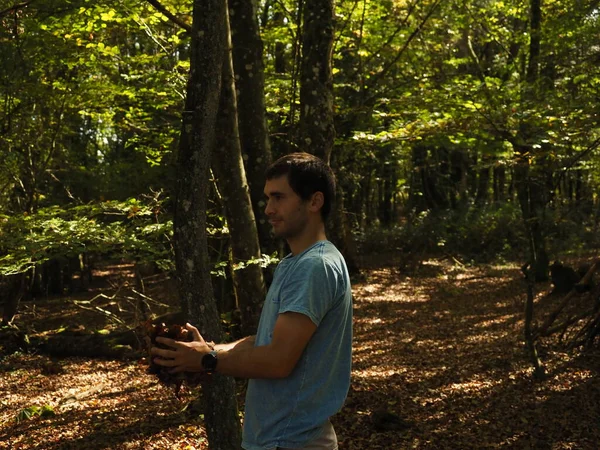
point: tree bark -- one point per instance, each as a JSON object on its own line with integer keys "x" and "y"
{"x": 208, "y": 47}
{"x": 317, "y": 132}
{"x": 231, "y": 179}
{"x": 483, "y": 184}
{"x": 528, "y": 184}
{"x": 316, "y": 127}
{"x": 539, "y": 371}
{"x": 249, "y": 70}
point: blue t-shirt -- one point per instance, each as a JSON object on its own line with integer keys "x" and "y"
{"x": 290, "y": 412}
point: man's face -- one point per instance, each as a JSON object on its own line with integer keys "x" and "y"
{"x": 286, "y": 211}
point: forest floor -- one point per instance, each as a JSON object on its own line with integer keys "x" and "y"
{"x": 440, "y": 350}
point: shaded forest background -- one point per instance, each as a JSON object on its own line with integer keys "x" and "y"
{"x": 467, "y": 131}
{"x": 443, "y": 115}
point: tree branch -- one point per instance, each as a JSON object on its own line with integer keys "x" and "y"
{"x": 416, "y": 31}
{"x": 168, "y": 14}
{"x": 593, "y": 146}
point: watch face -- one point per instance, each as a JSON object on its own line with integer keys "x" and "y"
{"x": 209, "y": 362}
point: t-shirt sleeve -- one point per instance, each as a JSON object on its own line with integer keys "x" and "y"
{"x": 310, "y": 290}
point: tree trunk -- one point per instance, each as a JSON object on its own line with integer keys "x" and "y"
{"x": 539, "y": 370}
{"x": 532, "y": 205}
{"x": 499, "y": 183}
{"x": 316, "y": 127}
{"x": 535, "y": 30}
{"x": 317, "y": 132}
{"x": 280, "y": 62}
{"x": 483, "y": 184}
{"x": 13, "y": 289}
{"x": 530, "y": 188}
{"x": 458, "y": 175}
{"x": 208, "y": 47}
{"x": 249, "y": 72}
{"x": 231, "y": 179}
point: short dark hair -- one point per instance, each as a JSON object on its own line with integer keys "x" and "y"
{"x": 306, "y": 175}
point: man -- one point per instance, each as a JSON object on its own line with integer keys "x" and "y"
{"x": 299, "y": 361}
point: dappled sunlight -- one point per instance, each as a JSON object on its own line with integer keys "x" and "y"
{"x": 445, "y": 351}
{"x": 448, "y": 359}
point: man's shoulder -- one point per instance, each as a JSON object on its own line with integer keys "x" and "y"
{"x": 323, "y": 250}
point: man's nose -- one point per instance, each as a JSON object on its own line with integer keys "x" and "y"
{"x": 268, "y": 207}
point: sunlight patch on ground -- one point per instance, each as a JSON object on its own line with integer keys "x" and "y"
{"x": 379, "y": 372}
{"x": 500, "y": 320}
{"x": 567, "y": 381}
{"x": 476, "y": 386}
{"x": 486, "y": 338}
{"x": 435, "y": 344}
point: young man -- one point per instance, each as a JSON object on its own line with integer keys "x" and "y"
{"x": 299, "y": 361}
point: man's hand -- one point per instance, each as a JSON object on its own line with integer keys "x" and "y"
{"x": 182, "y": 356}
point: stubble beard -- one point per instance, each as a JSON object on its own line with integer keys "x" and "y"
{"x": 293, "y": 230}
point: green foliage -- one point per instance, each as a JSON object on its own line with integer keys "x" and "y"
{"x": 94, "y": 86}
{"x": 133, "y": 229}
{"x": 35, "y": 411}
{"x": 93, "y": 92}
{"x": 473, "y": 235}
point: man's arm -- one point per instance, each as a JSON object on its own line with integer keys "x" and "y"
{"x": 277, "y": 360}
{"x": 242, "y": 359}
{"x": 247, "y": 342}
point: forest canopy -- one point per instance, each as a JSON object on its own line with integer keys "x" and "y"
{"x": 485, "y": 113}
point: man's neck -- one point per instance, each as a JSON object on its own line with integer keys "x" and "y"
{"x": 307, "y": 239}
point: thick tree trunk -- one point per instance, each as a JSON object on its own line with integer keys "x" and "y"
{"x": 209, "y": 44}
{"x": 14, "y": 288}
{"x": 249, "y": 70}
{"x": 317, "y": 132}
{"x": 231, "y": 179}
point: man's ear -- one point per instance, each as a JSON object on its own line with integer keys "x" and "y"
{"x": 317, "y": 201}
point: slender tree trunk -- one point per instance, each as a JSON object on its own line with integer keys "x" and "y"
{"x": 458, "y": 174}
{"x": 529, "y": 193}
{"x": 499, "y": 184}
{"x": 249, "y": 72}
{"x": 539, "y": 370}
{"x": 280, "y": 62}
{"x": 529, "y": 184}
{"x": 483, "y": 184}
{"x": 535, "y": 30}
{"x": 231, "y": 179}
{"x": 192, "y": 190}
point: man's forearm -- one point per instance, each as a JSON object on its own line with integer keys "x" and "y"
{"x": 247, "y": 342}
{"x": 245, "y": 361}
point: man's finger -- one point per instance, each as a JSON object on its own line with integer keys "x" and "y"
{"x": 165, "y": 353}
{"x": 169, "y": 342}
{"x": 165, "y": 362}
{"x": 195, "y": 333}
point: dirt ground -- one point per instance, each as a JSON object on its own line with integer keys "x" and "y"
{"x": 439, "y": 363}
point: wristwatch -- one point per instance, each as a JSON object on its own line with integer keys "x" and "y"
{"x": 209, "y": 362}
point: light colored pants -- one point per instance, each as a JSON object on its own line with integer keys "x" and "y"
{"x": 327, "y": 440}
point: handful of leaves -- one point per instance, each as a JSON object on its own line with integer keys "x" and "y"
{"x": 164, "y": 375}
